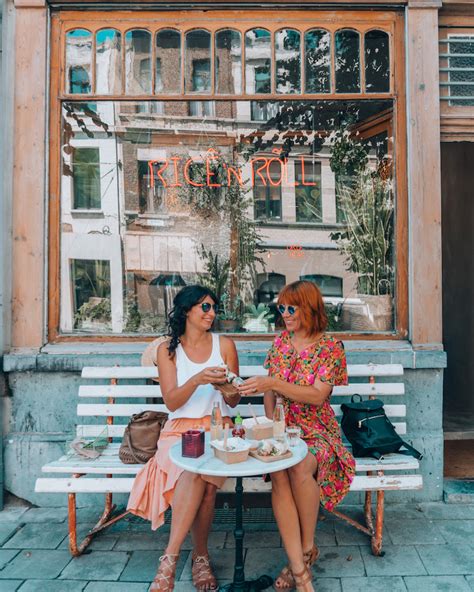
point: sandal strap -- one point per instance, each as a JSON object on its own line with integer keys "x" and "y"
{"x": 287, "y": 576}
{"x": 302, "y": 578}
{"x": 162, "y": 578}
{"x": 202, "y": 572}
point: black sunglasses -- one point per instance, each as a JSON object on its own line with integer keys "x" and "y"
{"x": 206, "y": 307}
{"x": 290, "y": 308}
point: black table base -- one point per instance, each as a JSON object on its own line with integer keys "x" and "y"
{"x": 239, "y": 584}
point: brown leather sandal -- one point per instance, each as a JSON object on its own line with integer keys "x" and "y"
{"x": 286, "y": 575}
{"x": 304, "y": 581}
{"x": 203, "y": 578}
{"x": 164, "y": 579}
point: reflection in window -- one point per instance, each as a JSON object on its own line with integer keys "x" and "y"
{"x": 138, "y": 62}
{"x": 228, "y": 62}
{"x": 263, "y": 110}
{"x": 318, "y": 61}
{"x": 258, "y": 61}
{"x": 108, "y": 62}
{"x": 347, "y": 61}
{"x": 461, "y": 69}
{"x": 267, "y": 192}
{"x": 198, "y": 61}
{"x": 90, "y": 279}
{"x": 377, "y": 62}
{"x": 151, "y": 197}
{"x": 202, "y": 108}
{"x": 288, "y": 61}
{"x": 168, "y": 62}
{"x": 86, "y": 178}
{"x": 78, "y": 61}
{"x": 308, "y": 191}
{"x": 329, "y": 285}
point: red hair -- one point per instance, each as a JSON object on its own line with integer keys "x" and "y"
{"x": 307, "y": 296}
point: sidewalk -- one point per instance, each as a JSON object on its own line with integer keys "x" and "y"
{"x": 429, "y": 547}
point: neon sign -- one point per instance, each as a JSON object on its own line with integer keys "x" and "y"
{"x": 179, "y": 172}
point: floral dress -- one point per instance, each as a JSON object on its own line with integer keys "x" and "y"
{"x": 324, "y": 360}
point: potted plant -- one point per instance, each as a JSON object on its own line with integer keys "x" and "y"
{"x": 230, "y": 316}
{"x": 258, "y": 318}
{"x": 94, "y": 315}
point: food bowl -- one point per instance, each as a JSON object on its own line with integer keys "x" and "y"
{"x": 237, "y": 450}
{"x": 258, "y": 431}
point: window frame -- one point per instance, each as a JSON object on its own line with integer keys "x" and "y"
{"x": 391, "y": 21}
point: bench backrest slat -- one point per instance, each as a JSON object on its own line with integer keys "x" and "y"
{"x": 143, "y": 372}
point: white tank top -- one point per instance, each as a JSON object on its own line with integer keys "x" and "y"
{"x": 201, "y": 401}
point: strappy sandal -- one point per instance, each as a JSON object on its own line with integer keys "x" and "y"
{"x": 304, "y": 581}
{"x": 164, "y": 579}
{"x": 310, "y": 557}
{"x": 203, "y": 578}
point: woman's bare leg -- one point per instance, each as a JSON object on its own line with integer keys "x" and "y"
{"x": 306, "y": 494}
{"x": 187, "y": 499}
{"x": 202, "y": 523}
{"x": 286, "y": 515}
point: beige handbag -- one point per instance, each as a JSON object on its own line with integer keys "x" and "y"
{"x": 140, "y": 439}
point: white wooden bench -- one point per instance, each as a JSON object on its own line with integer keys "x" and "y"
{"x": 108, "y": 475}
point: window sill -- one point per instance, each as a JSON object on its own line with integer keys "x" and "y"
{"x": 73, "y": 356}
{"x": 87, "y": 213}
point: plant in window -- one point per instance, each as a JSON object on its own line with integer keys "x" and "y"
{"x": 217, "y": 271}
{"x": 258, "y": 318}
{"x": 96, "y": 313}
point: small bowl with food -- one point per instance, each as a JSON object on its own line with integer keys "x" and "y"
{"x": 232, "y": 450}
{"x": 271, "y": 450}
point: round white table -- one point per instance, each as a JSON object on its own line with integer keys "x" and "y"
{"x": 208, "y": 464}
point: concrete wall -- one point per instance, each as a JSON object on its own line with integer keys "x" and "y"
{"x": 44, "y": 397}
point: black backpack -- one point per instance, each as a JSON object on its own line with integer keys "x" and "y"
{"x": 370, "y": 431}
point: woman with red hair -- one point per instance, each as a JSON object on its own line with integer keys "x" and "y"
{"x": 304, "y": 364}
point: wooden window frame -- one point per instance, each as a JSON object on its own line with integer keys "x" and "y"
{"x": 215, "y": 20}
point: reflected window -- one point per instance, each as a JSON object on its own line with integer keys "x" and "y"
{"x": 86, "y": 178}
{"x": 288, "y": 61}
{"x": 258, "y": 61}
{"x": 198, "y": 61}
{"x": 347, "y": 61}
{"x": 202, "y": 108}
{"x": 90, "y": 280}
{"x": 377, "y": 62}
{"x": 267, "y": 192}
{"x": 329, "y": 285}
{"x": 168, "y": 62}
{"x": 318, "y": 61}
{"x": 108, "y": 62}
{"x": 78, "y": 61}
{"x": 151, "y": 196}
{"x": 263, "y": 110}
{"x": 138, "y": 62}
{"x": 308, "y": 191}
{"x": 228, "y": 62}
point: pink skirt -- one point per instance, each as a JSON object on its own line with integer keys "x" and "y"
{"x": 153, "y": 488}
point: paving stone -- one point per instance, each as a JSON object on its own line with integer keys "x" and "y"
{"x": 104, "y": 541}
{"x": 255, "y": 540}
{"x": 97, "y": 565}
{"x": 216, "y": 540}
{"x": 45, "y": 565}
{"x": 10, "y": 585}
{"x": 53, "y": 586}
{"x": 36, "y": 536}
{"x": 6, "y": 556}
{"x": 7, "y": 529}
{"x": 415, "y": 532}
{"x": 339, "y": 561}
{"x": 325, "y": 534}
{"x": 327, "y": 584}
{"x": 116, "y": 587}
{"x": 188, "y": 586}
{"x": 442, "y": 511}
{"x": 456, "y": 531}
{"x": 449, "y": 559}
{"x": 470, "y": 581}
{"x": 349, "y": 535}
{"x": 404, "y": 511}
{"x": 392, "y": 583}
{"x": 437, "y": 584}
{"x": 45, "y": 515}
{"x": 13, "y": 514}
{"x": 142, "y": 566}
{"x": 222, "y": 561}
{"x": 139, "y": 541}
{"x": 260, "y": 563}
{"x": 397, "y": 561}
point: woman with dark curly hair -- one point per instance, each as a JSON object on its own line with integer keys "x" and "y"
{"x": 188, "y": 362}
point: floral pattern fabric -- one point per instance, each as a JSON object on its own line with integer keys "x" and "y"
{"x": 324, "y": 360}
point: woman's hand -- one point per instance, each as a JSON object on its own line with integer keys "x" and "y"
{"x": 215, "y": 374}
{"x": 256, "y": 384}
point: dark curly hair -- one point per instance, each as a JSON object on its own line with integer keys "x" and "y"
{"x": 184, "y": 300}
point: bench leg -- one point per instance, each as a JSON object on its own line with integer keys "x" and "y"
{"x": 376, "y": 541}
{"x": 103, "y": 522}
{"x": 368, "y": 510}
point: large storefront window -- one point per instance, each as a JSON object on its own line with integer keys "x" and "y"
{"x": 241, "y": 194}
